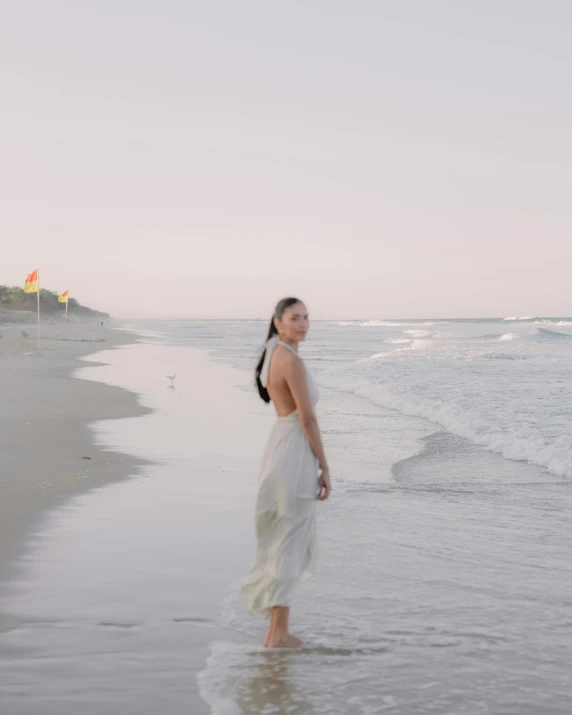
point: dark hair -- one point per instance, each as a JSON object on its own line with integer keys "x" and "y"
{"x": 281, "y": 306}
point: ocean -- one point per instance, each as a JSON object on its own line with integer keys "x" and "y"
{"x": 503, "y": 384}
{"x": 445, "y": 567}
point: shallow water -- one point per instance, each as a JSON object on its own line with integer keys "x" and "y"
{"x": 447, "y": 591}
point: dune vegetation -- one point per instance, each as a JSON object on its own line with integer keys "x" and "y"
{"x": 13, "y": 298}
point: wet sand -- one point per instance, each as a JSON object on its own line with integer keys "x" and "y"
{"x": 115, "y": 600}
{"x": 47, "y": 452}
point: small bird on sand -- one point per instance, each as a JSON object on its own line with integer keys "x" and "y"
{"x": 171, "y": 378}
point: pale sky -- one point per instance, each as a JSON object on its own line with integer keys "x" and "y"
{"x": 389, "y": 158}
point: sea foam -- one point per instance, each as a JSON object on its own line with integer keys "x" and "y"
{"x": 509, "y": 336}
{"x": 492, "y": 428}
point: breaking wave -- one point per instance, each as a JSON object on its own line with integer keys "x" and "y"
{"x": 489, "y": 424}
{"x": 509, "y": 336}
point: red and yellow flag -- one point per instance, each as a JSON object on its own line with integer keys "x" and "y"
{"x": 63, "y": 298}
{"x": 31, "y": 284}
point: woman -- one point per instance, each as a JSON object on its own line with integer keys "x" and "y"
{"x": 294, "y": 474}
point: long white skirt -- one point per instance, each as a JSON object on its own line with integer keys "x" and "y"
{"x": 285, "y": 519}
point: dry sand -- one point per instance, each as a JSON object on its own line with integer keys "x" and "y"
{"x": 46, "y": 449}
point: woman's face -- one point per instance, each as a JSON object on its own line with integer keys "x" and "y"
{"x": 294, "y": 324}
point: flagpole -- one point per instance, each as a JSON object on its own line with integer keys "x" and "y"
{"x": 67, "y": 299}
{"x": 39, "y": 343}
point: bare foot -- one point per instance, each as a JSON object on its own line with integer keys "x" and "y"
{"x": 285, "y": 641}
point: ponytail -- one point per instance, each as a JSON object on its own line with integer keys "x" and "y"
{"x": 262, "y": 391}
{"x": 272, "y": 330}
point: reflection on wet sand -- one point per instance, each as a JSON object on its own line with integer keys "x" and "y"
{"x": 267, "y": 685}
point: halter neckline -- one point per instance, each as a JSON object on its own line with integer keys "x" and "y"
{"x": 288, "y": 347}
{"x": 269, "y": 349}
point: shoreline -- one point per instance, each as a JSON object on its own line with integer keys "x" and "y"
{"x": 129, "y": 600}
{"x": 149, "y": 620}
{"x": 49, "y": 453}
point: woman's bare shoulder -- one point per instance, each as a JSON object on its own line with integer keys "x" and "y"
{"x": 285, "y": 360}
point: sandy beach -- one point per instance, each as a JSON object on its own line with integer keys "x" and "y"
{"x": 47, "y": 451}
{"x": 435, "y": 555}
{"x": 131, "y": 575}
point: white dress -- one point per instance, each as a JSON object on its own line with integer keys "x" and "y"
{"x": 285, "y": 514}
